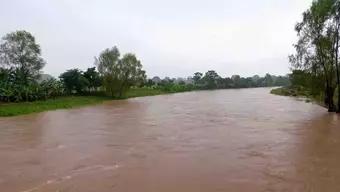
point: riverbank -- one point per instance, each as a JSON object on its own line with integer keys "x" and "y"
{"x": 67, "y": 102}
{"x": 14, "y": 109}
{"x": 287, "y": 91}
{"x": 298, "y": 92}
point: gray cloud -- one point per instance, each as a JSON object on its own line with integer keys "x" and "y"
{"x": 172, "y": 38}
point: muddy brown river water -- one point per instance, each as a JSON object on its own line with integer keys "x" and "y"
{"x": 207, "y": 141}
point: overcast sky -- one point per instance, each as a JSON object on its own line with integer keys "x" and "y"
{"x": 172, "y": 38}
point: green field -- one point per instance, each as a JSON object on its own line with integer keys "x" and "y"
{"x": 141, "y": 92}
{"x": 14, "y": 109}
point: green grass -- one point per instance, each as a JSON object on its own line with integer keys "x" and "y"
{"x": 295, "y": 92}
{"x": 298, "y": 92}
{"x": 14, "y": 109}
{"x": 284, "y": 91}
{"x": 141, "y": 92}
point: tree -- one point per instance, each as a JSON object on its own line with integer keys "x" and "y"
{"x": 51, "y": 88}
{"x": 211, "y": 79}
{"x": 119, "y": 74}
{"x": 108, "y": 67}
{"x": 335, "y": 32}
{"x": 19, "y": 53}
{"x": 281, "y": 81}
{"x": 315, "y": 50}
{"x": 236, "y": 81}
{"x": 197, "y": 77}
{"x": 74, "y": 80}
{"x": 228, "y": 82}
{"x": 93, "y": 78}
{"x": 156, "y": 80}
{"x": 268, "y": 80}
{"x": 149, "y": 83}
{"x": 130, "y": 73}
{"x": 20, "y": 57}
{"x": 6, "y": 90}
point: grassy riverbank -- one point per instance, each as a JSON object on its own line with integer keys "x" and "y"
{"x": 287, "y": 91}
{"x": 142, "y": 92}
{"x": 67, "y": 102}
{"x": 298, "y": 92}
{"x": 14, "y": 109}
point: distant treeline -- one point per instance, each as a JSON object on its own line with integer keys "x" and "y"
{"x": 211, "y": 80}
{"x": 112, "y": 75}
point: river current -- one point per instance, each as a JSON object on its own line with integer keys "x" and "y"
{"x": 209, "y": 141}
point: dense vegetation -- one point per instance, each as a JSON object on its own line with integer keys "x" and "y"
{"x": 211, "y": 80}
{"x": 113, "y": 75}
{"x": 316, "y": 61}
{"x": 21, "y": 64}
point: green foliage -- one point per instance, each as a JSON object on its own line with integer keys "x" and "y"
{"x": 298, "y": 92}
{"x": 31, "y": 92}
{"x": 130, "y": 73}
{"x": 20, "y": 65}
{"x": 20, "y": 54}
{"x": 108, "y": 67}
{"x": 197, "y": 77}
{"x": 211, "y": 80}
{"x": 51, "y": 89}
{"x": 74, "y": 81}
{"x": 119, "y": 74}
{"x": 316, "y": 61}
{"x": 120, "y": 77}
{"x": 295, "y": 92}
{"x": 93, "y": 78}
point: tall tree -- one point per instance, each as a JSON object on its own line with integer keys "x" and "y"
{"x": 130, "y": 73}
{"x": 314, "y": 50}
{"x": 197, "y": 77}
{"x": 20, "y": 54}
{"x": 211, "y": 79}
{"x": 108, "y": 67}
{"x": 268, "y": 80}
{"x": 119, "y": 74}
{"x": 21, "y": 57}
{"x": 334, "y": 27}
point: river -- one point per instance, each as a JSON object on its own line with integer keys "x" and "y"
{"x": 209, "y": 141}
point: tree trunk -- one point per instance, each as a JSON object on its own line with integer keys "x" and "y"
{"x": 329, "y": 90}
{"x": 121, "y": 90}
{"x": 338, "y": 111}
{"x": 338, "y": 85}
{"x": 112, "y": 92}
{"x": 337, "y": 62}
{"x": 329, "y": 98}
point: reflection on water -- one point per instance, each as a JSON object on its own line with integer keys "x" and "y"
{"x": 227, "y": 140}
